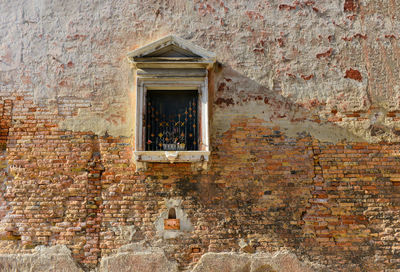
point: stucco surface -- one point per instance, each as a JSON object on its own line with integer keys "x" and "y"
{"x": 139, "y": 258}
{"x": 280, "y": 261}
{"x": 329, "y": 59}
{"x": 57, "y": 258}
{"x": 136, "y": 257}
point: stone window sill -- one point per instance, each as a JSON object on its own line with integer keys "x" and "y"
{"x": 198, "y": 159}
{"x": 172, "y": 156}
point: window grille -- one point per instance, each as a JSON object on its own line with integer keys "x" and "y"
{"x": 171, "y": 120}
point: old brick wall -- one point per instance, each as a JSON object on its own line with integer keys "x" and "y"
{"x": 304, "y": 132}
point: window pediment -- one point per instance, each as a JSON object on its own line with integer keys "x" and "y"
{"x": 171, "y": 52}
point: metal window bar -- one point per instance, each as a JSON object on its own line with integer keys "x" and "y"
{"x": 171, "y": 120}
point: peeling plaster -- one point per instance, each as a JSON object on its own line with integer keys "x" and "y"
{"x": 306, "y": 46}
{"x": 116, "y": 120}
{"x": 324, "y": 132}
{"x": 42, "y": 260}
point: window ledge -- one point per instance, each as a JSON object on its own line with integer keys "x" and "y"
{"x": 198, "y": 159}
{"x": 172, "y": 156}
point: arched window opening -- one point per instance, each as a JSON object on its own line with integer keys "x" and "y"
{"x": 172, "y": 213}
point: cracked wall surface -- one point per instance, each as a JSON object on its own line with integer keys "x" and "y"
{"x": 304, "y": 133}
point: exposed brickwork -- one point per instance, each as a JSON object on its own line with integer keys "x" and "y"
{"x": 350, "y": 5}
{"x": 263, "y": 187}
{"x": 95, "y": 170}
{"x": 5, "y": 121}
{"x": 268, "y": 189}
{"x": 353, "y": 74}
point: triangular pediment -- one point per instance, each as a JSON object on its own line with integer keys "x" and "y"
{"x": 173, "y": 51}
{"x": 171, "y": 48}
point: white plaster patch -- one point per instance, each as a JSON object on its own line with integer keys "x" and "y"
{"x": 185, "y": 224}
{"x": 324, "y": 132}
{"x": 44, "y": 259}
{"x": 125, "y": 232}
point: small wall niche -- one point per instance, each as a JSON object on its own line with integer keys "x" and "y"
{"x": 172, "y": 213}
{"x": 171, "y": 223}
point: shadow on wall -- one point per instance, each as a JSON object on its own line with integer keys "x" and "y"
{"x": 237, "y": 97}
{"x": 266, "y": 162}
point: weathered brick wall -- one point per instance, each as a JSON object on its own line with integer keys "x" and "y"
{"x": 335, "y": 204}
{"x": 5, "y": 123}
{"x": 304, "y": 131}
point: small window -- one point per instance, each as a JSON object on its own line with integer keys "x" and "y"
{"x": 171, "y": 120}
{"x": 172, "y": 213}
{"x": 171, "y": 96}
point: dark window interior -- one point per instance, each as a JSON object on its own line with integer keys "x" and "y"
{"x": 171, "y": 121}
{"x": 172, "y": 213}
